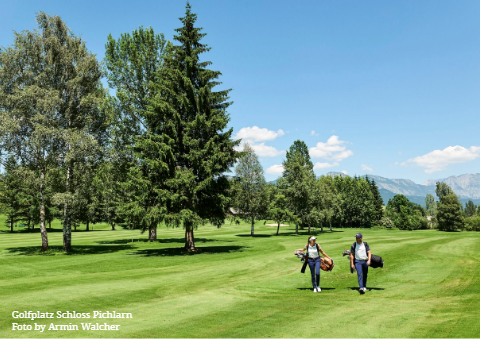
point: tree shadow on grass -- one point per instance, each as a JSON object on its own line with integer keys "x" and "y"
{"x": 310, "y": 288}
{"x": 180, "y": 251}
{"x": 305, "y": 233}
{"x": 162, "y": 241}
{"x": 254, "y": 236}
{"x": 76, "y": 250}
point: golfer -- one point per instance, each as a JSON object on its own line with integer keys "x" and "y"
{"x": 360, "y": 258}
{"x": 313, "y": 260}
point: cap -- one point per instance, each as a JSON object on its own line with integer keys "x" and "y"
{"x": 313, "y": 238}
{"x": 359, "y": 235}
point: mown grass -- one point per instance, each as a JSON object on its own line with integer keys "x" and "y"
{"x": 239, "y": 286}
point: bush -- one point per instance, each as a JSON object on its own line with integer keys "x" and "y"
{"x": 423, "y": 223}
{"x": 473, "y": 223}
{"x": 385, "y": 222}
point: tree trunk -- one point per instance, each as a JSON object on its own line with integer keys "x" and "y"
{"x": 251, "y": 231}
{"x": 278, "y": 228}
{"x": 28, "y": 225}
{"x": 113, "y": 226}
{"x": 308, "y": 228}
{"x": 321, "y": 225}
{"x": 33, "y": 228}
{"x": 43, "y": 229}
{"x": 49, "y": 225}
{"x": 152, "y": 233}
{"x": 189, "y": 238}
{"x": 296, "y": 228}
{"x": 67, "y": 228}
{"x": 88, "y": 225}
{"x": 75, "y": 227}
{"x": 331, "y": 227}
{"x": 11, "y": 226}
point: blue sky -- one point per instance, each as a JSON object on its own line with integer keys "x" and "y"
{"x": 383, "y": 87}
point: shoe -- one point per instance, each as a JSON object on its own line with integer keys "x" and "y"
{"x": 315, "y": 290}
{"x": 319, "y": 289}
{"x": 364, "y": 289}
{"x": 361, "y": 290}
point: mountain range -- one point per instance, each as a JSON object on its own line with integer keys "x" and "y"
{"x": 466, "y": 186}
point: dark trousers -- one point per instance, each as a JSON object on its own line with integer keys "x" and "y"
{"x": 314, "y": 265}
{"x": 362, "y": 272}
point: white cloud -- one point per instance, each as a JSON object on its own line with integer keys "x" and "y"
{"x": 439, "y": 159}
{"x": 257, "y": 134}
{"x": 345, "y": 172}
{"x": 322, "y": 165}
{"x": 256, "y": 137}
{"x": 275, "y": 169}
{"x": 263, "y": 150}
{"x": 313, "y": 133}
{"x": 366, "y": 168}
{"x": 334, "y": 149}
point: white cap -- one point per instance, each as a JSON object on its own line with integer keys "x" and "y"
{"x": 313, "y": 238}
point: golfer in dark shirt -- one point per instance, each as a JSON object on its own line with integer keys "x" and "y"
{"x": 360, "y": 258}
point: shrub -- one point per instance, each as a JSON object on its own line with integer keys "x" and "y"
{"x": 473, "y": 223}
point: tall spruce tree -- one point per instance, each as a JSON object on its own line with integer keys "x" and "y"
{"x": 189, "y": 121}
{"x": 377, "y": 199}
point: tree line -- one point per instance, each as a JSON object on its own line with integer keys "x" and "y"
{"x": 300, "y": 197}
{"x": 157, "y": 151}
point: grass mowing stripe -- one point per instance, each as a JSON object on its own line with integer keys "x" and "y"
{"x": 246, "y": 287}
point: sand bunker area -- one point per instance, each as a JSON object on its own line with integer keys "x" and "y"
{"x": 277, "y": 225}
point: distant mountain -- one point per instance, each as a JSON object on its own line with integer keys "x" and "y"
{"x": 466, "y": 186}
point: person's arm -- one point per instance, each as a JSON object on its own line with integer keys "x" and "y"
{"x": 351, "y": 261}
{"x": 369, "y": 257}
{"x": 325, "y": 254}
{"x": 300, "y": 249}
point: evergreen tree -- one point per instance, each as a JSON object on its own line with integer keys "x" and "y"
{"x": 188, "y": 124}
{"x": 470, "y": 209}
{"x": 377, "y": 200}
{"x": 449, "y": 210}
{"x": 14, "y": 203}
{"x": 133, "y": 64}
{"x": 251, "y": 196}
{"x": 449, "y": 215}
{"x": 297, "y": 181}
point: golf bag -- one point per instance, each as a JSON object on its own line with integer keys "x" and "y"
{"x": 376, "y": 261}
{"x": 326, "y": 264}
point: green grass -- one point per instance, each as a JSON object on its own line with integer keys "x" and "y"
{"x": 240, "y": 286}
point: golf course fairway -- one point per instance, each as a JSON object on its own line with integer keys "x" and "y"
{"x": 239, "y": 286}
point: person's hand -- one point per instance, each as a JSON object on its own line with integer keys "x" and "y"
{"x": 368, "y": 263}
{"x": 352, "y": 267}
